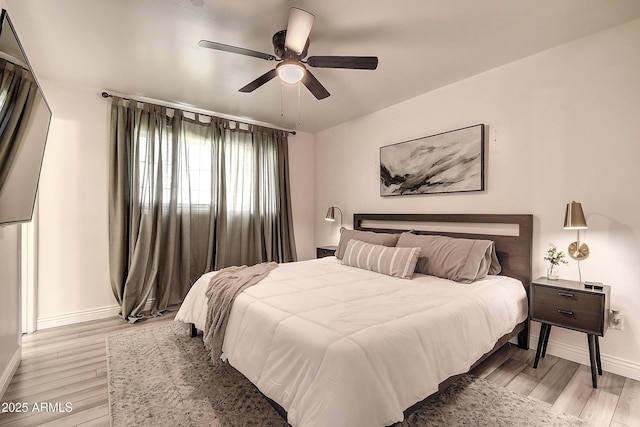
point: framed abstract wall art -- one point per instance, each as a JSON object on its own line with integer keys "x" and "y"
{"x": 449, "y": 162}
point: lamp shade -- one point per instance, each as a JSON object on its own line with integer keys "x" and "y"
{"x": 574, "y": 217}
{"x": 331, "y": 214}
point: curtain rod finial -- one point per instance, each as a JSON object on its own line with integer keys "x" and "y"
{"x": 106, "y": 95}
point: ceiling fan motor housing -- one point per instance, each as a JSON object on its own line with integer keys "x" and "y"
{"x": 283, "y": 53}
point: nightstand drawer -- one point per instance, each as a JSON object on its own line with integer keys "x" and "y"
{"x": 575, "y": 301}
{"x": 582, "y": 311}
{"x": 573, "y": 319}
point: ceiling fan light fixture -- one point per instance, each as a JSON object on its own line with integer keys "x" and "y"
{"x": 290, "y": 72}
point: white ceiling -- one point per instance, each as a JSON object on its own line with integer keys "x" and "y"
{"x": 149, "y": 48}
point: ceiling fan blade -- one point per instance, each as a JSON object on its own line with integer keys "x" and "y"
{"x": 235, "y": 49}
{"x": 314, "y": 86}
{"x": 259, "y": 81}
{"x": 298, "y": 29}
{"x": 351, "y": 62}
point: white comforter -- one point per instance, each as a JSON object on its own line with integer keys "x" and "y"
{"x": 339, "y": 346}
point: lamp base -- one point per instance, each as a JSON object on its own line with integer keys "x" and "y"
{"x": 578, "y": 250}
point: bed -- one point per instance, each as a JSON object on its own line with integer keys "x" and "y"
{"x": 336, "y": 345}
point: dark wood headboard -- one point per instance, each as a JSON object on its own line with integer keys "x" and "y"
{"x": 514, "y": 251}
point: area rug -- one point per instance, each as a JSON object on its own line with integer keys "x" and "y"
{"x": 159, "y": 376}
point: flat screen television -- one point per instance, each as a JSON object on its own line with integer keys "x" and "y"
{"x": 24, "y": 125}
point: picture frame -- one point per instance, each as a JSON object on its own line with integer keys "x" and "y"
{"x": 448, "y": 162}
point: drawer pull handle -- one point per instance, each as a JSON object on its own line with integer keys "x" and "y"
{"x": 561, "y": 311}
{"x": 565, "y": 294}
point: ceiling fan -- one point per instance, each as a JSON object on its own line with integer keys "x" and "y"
{"x": 291, "y": 47}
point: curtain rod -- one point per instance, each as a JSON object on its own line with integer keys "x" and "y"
{"x": 187, "y": 108}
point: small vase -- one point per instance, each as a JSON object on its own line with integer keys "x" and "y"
{"x": 552, "y": 272}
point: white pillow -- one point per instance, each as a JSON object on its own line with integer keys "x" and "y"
{"x": 392, "y": 261}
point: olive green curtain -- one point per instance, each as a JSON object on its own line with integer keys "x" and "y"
{"x": 17, "y": 94}
{"x": 188, "y": 195}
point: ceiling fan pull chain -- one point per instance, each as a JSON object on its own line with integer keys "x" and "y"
{"x": 298, "y": 103}
{"x": 281, "y": 99}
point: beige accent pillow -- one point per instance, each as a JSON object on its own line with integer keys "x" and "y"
{"x": 396, "y": 262}
{"x": 384, "y": 239}
{"x": 462, "y": 260}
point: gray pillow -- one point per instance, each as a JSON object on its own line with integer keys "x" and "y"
{"x": 462, "y": 260}
{"x": 384, "y": 239}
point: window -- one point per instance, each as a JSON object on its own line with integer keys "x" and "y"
{"x": 190, "y": 175}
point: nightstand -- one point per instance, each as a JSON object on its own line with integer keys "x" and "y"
{"x": 571, "y": 305}
{"x": 323, "y": 251}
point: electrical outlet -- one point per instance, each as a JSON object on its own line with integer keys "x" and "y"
{"x": 616, "y": 320}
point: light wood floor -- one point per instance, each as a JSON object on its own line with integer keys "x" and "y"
{"x": 566, "y": 386}
{"x": 68, "y": 364}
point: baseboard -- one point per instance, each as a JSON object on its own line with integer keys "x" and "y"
{"x": 580, "y": 354}
{"x": 5, "y": 379}
{"x": 82, "y": 316}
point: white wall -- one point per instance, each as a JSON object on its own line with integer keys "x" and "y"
{"x": 301, "y": 177}
{"x": 10, "y": 350}
{"x": 73, "y": 270}
{"x": 73, "y": 235}
{"x": 562, "y": 125}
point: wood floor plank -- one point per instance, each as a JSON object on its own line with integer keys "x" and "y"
{"x": 44, "y": 334}
{"x": 85, "y": 348}
{"x": 575, "y": 395}
{"x": 32, "y": 357}
{"x": 492, "y": 363}
{"x": 544, "y": 367}
{"x": 64, "y": 345}
{"x": 30, "y": 388}
{"x": 611, "y": 383}
{"x": 98, "y": 422}
{"x": 32, "y": 379}
{"x": 60, "y": 361}
{"x": 523, "y": 384}
{"x": 628, "y": 409}
{"x": 552, "y": 384}
{"x": 70, "y": 331}
{"x": 95, "y": 414}
{"x": 600, "y": 408}
{"x": 524, "y": 356}
{"x": 56, "y": 394}
{"x": 507, "y": 372}
{"x": 84, "y": 365}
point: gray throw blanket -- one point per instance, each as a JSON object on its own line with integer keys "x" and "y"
{"x": 222, "y": 291}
